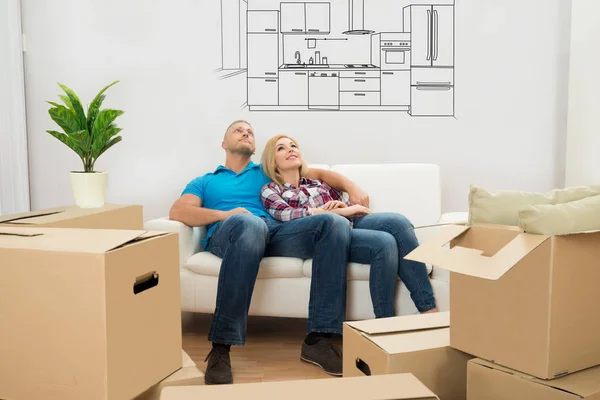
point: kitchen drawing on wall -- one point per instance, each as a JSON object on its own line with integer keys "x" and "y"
{"x": 342, "y": 55}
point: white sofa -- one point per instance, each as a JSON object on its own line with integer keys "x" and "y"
{"x": 283, "y": 284}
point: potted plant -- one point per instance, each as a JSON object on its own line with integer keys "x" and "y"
{"x": 89, "y": 136}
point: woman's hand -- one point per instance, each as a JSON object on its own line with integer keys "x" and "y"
{"x": 332, "y": 205}
{"x": 353, "y": 211}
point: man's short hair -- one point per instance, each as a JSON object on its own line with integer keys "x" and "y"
{"x": 232, "y": 124}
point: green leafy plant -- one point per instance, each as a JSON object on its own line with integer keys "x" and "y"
{"x": 88, "y": 136}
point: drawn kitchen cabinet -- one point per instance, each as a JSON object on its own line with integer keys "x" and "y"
{"x": 293, "y": 18}
{"x": 360, "y": 88}
{"x": 263, "y": 55}
{"x": 395, "y": 88}
{"x": 360, "y": 98}
{"x": 359, "y": 74}
{"x": 318, "y": 18}
{"x": 293, "y": 88}
{"x": 359, "y": 84}
{"x": 263, "y": 21}
{"x": 263, "y": 91}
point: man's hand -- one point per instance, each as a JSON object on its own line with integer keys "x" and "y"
{"x": 331, "y": 205}
{"x": 340, "y": 183}
{"x": 239, "y": 210}
{"x": 358, "y": 196}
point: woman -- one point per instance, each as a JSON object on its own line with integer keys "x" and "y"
{"x": 381, "y": 239}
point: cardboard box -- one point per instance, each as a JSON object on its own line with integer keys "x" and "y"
{"x": 186, "y": 360}
{"x": 400, "y": 387}
{"x": 189, "y": 374}
{"x": 111, "y": 216}
{"x": 525, "y": 301}
{"x": 87, "y": 313}
{"x": 488, "y": 381}
{"x": 416, "y": 344}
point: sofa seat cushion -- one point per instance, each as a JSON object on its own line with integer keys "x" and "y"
{"x": 206, "y": 263}
{"x": 356, "y": 271}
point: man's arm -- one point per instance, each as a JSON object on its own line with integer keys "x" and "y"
{"x": 340, "y": 183}
{"x": 188, "y": 210}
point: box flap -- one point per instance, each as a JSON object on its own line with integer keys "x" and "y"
{"x": 402, "y": 324}
{"x": 97, "y": 241}
{"x": 471, "y": 261}
{"x": 380, "y": 387}
{"x": 417, "y": 227}
{"x": 583, "y": 383}
{"x": 408, "y": 342}
{"x": 27, "y": 216}
{"x": 21, "y": 234}
{"x": 54, "y": 214}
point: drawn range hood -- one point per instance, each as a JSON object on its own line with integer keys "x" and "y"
{"x": 357, "y": 18}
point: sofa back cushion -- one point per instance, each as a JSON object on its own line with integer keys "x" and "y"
{"x": 320, "y": 166}
{"x": 411, "y": 189}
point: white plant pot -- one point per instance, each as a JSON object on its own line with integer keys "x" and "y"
{"x": 89, "y": 188}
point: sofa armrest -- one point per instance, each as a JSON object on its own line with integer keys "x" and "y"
{"x": 440, "y": 274}
{"x": 189, "y": 237}
{"x": 454, "y": 217}
{"x": 447, "y": 218}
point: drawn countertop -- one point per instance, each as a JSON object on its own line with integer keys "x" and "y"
{"x": 328, "y": 67}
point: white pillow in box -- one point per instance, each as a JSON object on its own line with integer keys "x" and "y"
{"x": 502, "y": 206}
{"x": 562, "y": 219}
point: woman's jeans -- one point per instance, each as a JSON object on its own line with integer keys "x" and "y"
{"x": 381, "y": 252}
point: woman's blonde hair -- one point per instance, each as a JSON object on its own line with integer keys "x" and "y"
{"x": 268, "y": 160}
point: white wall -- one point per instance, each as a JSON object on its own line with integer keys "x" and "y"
{"x": 511, "y": 100}
{"x": 14, "y": 175}
{"x": 583, "y": 135}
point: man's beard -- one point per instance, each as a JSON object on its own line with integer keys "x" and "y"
{"x": 243, "y": 151}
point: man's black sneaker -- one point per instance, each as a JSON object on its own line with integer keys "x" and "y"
{"x": 218, "y": 369}
{"x": 323, "y": 354}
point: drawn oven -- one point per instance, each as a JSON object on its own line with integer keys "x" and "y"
{"x": 395, "y": 51}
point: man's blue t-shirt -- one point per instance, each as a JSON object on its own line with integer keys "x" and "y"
{"x": 225, "y": 190}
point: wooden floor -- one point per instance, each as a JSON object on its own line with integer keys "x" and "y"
{"x": 271, "y": 353}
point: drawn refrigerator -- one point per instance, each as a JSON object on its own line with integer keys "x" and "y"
{"x": 432, "y": 59}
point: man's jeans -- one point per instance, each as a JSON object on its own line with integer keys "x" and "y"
{"x": 243, "y": 239}
{"x": 412, "y": 273}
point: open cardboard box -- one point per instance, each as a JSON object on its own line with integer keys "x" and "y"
{"x": 111, "y": 216}
{"x": 382, "y": 387}
{"x": 488, "y": 381}
{"x": 525, "y": 301}
{"x": 416, "y": 344}
{"x": 87, "y": 313}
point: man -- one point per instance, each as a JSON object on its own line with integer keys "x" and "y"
{"x": 241, "y": 232}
